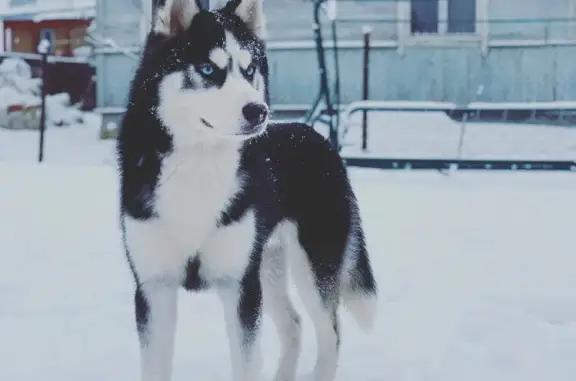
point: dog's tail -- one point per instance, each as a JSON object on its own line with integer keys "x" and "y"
{"x": 359, "y": 290}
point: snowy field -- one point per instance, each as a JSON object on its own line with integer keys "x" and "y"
{"x": 77, "y": 144}
{"x": 477, "y": 274}
{"x": 434, "y": 135}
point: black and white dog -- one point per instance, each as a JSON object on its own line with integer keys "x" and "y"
{"x": 212, "y": 196}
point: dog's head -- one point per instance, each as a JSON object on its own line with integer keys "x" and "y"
{"x": 211, "y": 69}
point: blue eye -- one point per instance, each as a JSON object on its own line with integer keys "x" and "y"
{"x": 206, "y": 69}
{"x": 250, "y": 70}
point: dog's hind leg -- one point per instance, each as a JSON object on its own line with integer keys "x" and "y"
{"x": 279, "y": 307}
{"x": 242, "y": 302}
{"x": 156, "y": 310}
{"x": 316, "y": 265}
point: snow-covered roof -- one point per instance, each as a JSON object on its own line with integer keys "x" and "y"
{"x": 39, "y": 10}
{"x": 64, "y": 14}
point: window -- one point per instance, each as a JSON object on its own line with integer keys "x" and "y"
{"x": 50, "y": 35}
{"x": 461, "y": 16}
{"x": 443, "y": 23}
{"x": 424, "y": 16}
{"x": 442, "y": 16}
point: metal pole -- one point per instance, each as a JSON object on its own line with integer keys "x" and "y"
{"x": 365, "y": 85}
{"x": 43, "y": 49}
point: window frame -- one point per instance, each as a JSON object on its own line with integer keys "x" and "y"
{"x": 479, "y": 36}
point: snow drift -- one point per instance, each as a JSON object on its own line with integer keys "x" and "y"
{"x": 20, "y": 99}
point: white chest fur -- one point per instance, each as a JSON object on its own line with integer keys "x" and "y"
{"x": 193, "y": 190}
{"x": 226, "y": 252}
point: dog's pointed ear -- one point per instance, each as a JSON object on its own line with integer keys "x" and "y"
{"x": 175, "y": 16}
{"x": 252, "y": 13}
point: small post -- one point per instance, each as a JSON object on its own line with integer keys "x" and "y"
{"x": 366, "y": 31}
{"x": 43, "y": 49}
{"x": 463, "y": 124}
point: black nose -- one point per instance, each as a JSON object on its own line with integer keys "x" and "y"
{"x": 255, "y": 113}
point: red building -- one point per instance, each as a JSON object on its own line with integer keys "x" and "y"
{"x": 66, "y": 29}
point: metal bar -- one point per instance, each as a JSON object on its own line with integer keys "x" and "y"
{"x": 365, "y": 87}
{"x": 446, "y": 164}
{"x": 324, "y": 88}
{"x": 458, "y": 112}
{"x": 43, "y": 108}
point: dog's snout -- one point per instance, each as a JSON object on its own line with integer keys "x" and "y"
{"x": 255, "y": 113}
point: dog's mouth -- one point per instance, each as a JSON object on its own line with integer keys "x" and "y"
{"x": 246, "y": 132}
{"x": 206, "y": 123}
{"x": 253, "y": 130}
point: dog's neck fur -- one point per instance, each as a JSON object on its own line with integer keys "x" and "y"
{"x": 210, "y": 150}
{"x": 206, "y": 144}
{"x": 205, "y": 157}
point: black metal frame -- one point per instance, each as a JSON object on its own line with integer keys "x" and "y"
{"x": 323, "y": 109}
{"x": 460, "y": 164}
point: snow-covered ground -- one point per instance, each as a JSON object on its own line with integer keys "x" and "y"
{"x": 76, "y": 144}
{"x": 477, "y": 274}
{"x": 18, "y": 88}
{"x": 434, "y": 135}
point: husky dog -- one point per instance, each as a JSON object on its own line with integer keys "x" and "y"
{"x": 214, "y": 196}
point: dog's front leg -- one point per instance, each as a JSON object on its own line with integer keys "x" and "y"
{"x": 156, "y": 310}
{"x": 243, "y": 314}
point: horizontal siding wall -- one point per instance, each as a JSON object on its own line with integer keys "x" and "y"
{"x": 535, "y": 19}
{"x": 438, "y": 74}
{"x": 120, "y": 21}
{"x": 508, "y": 19}
{"x": 291, "y": 20}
